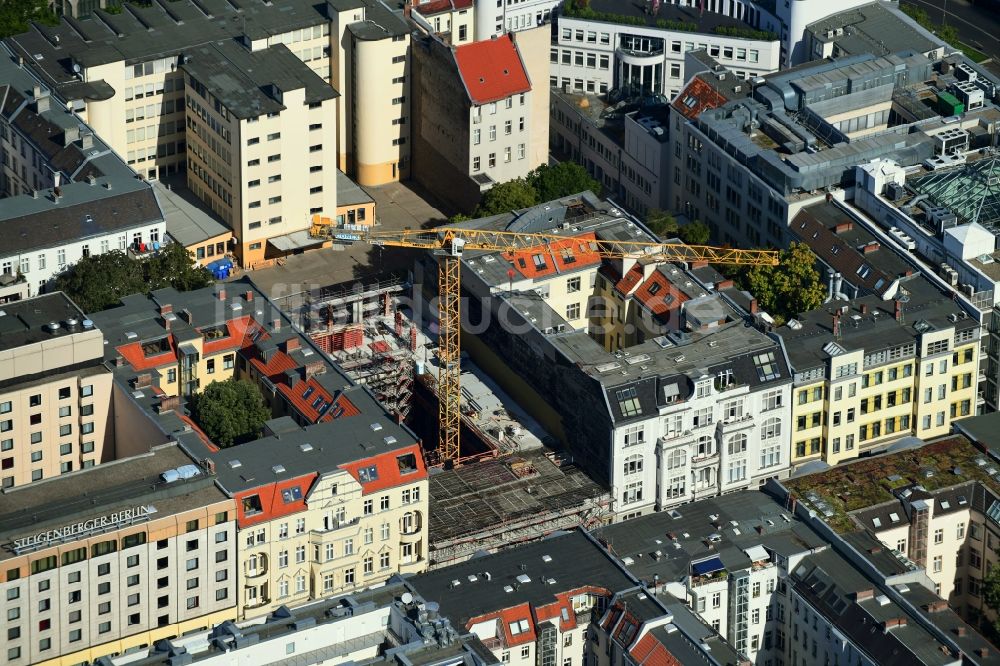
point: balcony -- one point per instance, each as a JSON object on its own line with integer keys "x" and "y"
{"x": 633, "y": 57}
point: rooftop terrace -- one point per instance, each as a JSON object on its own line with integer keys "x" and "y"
{"x": 837, "y": 492}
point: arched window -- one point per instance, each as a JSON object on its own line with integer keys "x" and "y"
{"x": 770, "y": 429}
{"x": 737, "y": 444}
{"x": 706, "y": 445}
{"x": 677, "y": 458}
{"x": 633, "y": 465}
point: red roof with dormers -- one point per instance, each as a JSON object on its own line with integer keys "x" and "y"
{"x": 278, "y": 364}
{"x": 696, "y": 97}
{"x": 388, "y": 473}
{"x": 655, "y": 292}
{"x": 563, "y": 256}
{"x": 133, "y": 354}
{"x": 554, "y": 611}
{"x": 628, "y": 282}
{"x": 436, "y": 6}
{"x": 273, "y": 502}
{"x": 492, "y": 69}
{"x": 239, "y": 334}
{"x": 651, "y": 652}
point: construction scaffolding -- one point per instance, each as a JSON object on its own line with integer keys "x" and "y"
{"x": 362, "y": 328}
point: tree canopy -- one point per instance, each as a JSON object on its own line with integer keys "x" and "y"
{"x": 15, "y": 15}
{"x": 785, "y": 290}
{"x": 505, "y": 197}
{"x": 694, "y": 233}
{"x": 661, "y": 223}
{"x": 99, "y": 281}
{"x": 230, "y": 412}
{"x": 561, "y": 180}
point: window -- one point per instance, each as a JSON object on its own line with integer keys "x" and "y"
{"x": 573, "y": 311}
{"x": 632, "y": 493}
{"x": 939, "y": 535}
{"x": 632, "y": 465}
{"x": 628, "y": 402}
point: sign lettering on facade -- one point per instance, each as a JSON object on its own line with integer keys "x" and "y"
{"x": 82, "y": 528}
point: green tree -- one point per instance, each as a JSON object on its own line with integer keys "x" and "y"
{"x": 561, "y": 180}
{"x": 15, "y": 15}
{"x": 791, "y": 287}
{"x": 230, "y": 412}
{"x": 99, "y": 281}
{"x": 505, "y": 197}
{"x": 661, "y": 223}
{"x": 694, "y": 233}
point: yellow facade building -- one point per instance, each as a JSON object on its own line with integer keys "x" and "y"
{"x": 868, "y": 372}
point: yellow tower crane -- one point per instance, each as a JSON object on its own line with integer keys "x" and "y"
{"x": 448, "y": 244}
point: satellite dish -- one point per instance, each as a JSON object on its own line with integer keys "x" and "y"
{"x": 76, "y": 67}
{"x": 406, "y": 598}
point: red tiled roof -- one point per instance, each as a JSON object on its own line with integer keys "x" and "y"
{"x": 133, "y": 353}
{"x": 341, "y": 407}
{"x": 236, "y": 330}
{"x": 273, "y": 505}
{"x": 491, "y": 69}
{"x": 630, "y": 280}
{"x": 565, "y": 255}
{"x": 654, "y": 293}
{"x": 278, "y": 364}
{"x": 435, "y": 6}
{"x": 651, "y": 652}
{"x": 388, "y": 472}
{"x": 697, "y": 96}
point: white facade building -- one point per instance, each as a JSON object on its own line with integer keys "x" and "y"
{"x": 494, "y": 18}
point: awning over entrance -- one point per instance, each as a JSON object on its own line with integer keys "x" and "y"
{"x": 297, "y": 240}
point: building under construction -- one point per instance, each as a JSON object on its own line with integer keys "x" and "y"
{"x": 509, "y": 500}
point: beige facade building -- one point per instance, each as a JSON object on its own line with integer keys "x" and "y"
{"x": 55, "y": 396}
{"x": 451, "y": 20}
{"x": 126, "y": 76}
{"x": 261, "y": 128}
{"x": 90, "y": 569}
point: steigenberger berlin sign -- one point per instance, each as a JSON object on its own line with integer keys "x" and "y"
{"x": 82, "y": 529}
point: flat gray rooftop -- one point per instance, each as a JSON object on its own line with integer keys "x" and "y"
{"x": 189, "y": 220}
{"x": 876, "y": 28}
{"x": 25, "y": 322}
{"x": 350, "y": 193}
{"x": 242, "y": 80}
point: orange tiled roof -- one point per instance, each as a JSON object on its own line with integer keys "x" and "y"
{"x": 133, "y": 353}
{"x": 651, "y": 652}
{"x": 491, "y": 69}
{"x": 697, "y": 96}
{"x": 435, "y": 6}
{"x": 630, "y": 280}
{"x": 388, "y": 473}
{"x": 563, "y": 256}
{"x": 654, "y": 293}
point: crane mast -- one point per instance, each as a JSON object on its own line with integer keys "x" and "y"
{"x": 448, "y": 244}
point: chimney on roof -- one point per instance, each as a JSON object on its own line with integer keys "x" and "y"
{"x": 169, "y": 403}
{"x": 899, "y": 311}
{"x": 291, "y": 344}
{"x": 87, "y": 140}
{"x": 893, "y": 622}
{"x": 70, "y": 134}
{"x": 936, "y": 606}
{"x": 221, "y": 294}
{"x": 42, "y": 99}
{"x": 143, "y": 380}
{"x": 960, "y": 631}
{"x": 276, "y": 324}
{"x": 844, "y": 226}
{"x": 870, "y": 247}
{"x": 187, "y": 316}
{"x": 248, "y": 295}
{"x": 724, "y": 284}
{"x": 166, "y": 308}
{"x": 166, "y": 323}
{"x": 983, "y": 651}
{"x": 836, "y": 325}
{"x": 860, "y": 595}
{"x": 864, "y": 308}
{"x": 56, "y": 194}
{"x": 753, "y": 306}
{"x": 698, "y": 264}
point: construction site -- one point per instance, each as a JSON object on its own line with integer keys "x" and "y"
{"x": 508, "y": 485}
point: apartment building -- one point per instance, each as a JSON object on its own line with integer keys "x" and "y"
{"x": 481, "y": 115}
{"x": 452, "y": 20}
{"x": 114, "y": 558}
{"x": 868, "y": 371}
{"x": 646, "y": 374}
{"x": 258, "y": 122}
{"x": 782, "y": 587}
{"x": 625, "y": 48}
{"x": 332, "y": 496}
{"x": 65, "y": 193}
{"x": 377, "y": 627}
{"x": 930, "y": 513}
{"x": 626, "y": 150}
{"x": 55, "y": 395}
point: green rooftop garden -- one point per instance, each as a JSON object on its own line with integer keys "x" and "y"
{"x": 866, "y": 482}
{"x": 581, "y": 9}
